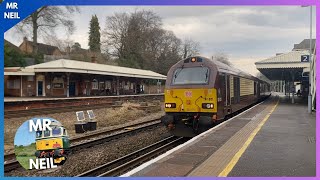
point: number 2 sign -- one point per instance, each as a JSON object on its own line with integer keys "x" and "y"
{"x": 304, "y": 58}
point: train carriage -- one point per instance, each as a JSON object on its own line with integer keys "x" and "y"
{"x": 201, "y": 92}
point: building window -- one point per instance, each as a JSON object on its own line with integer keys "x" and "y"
{"x": 101, "y": 85}
{"x": 57, "y": 83}
{"x": 126, "y": 85}
{"x": 108, "y": 84}
{"x": 13, "y": 84}
{"x": 95, "y": 84}
{"x": 30, "y": 78}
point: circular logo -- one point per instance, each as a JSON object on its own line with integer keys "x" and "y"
{"x": 41, "y": 143}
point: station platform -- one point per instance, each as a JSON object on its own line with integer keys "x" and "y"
{"x": 41, "y": 98}
{"x": 273, "y": 138}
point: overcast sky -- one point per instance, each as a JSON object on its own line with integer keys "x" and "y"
{"x": 245, "y": 33}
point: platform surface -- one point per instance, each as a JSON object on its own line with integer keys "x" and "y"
{"x": 285, "y": 145}
{"x": 274, "y": 138}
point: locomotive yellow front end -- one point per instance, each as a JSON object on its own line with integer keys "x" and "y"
{"x": 53, "y": 143}
{"x": 190, "y": 97}
{"x": 191, "y": 100}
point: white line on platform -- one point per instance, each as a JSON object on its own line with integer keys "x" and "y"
{"x": 148, "y": 163}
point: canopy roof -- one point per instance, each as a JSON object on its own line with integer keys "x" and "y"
{"x": 286, "y": 66}
{"x": 72, "y": 66}
{"x": 286, "y": 60}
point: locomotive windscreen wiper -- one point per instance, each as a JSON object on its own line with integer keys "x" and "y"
{"x": 207, "y": 75}
{"x": 177, "y": 72}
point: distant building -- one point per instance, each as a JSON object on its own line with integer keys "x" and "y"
{"x": 288, "y": 72}
{"x": 27, "y": 47}
{"x": 75, "y": 52}
{"x": 12, "y": 46}
{"x": 12, "y": 53}
{"x": 305, "y": 45}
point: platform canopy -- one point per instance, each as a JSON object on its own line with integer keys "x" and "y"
{"x": 284, "y": 66}
{"x": 18, "y": 71}
{"x": 72, "y": 66}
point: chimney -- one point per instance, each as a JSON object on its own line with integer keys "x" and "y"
{"x": 68, "y": 50}
{"x": 25, "y": 39}
{"x": 94, "y": 59}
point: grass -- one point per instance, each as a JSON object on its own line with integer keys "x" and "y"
{"x": 24, "y": 160}
{"x": 24, "y": 154}
{"x": 25, "y": 150}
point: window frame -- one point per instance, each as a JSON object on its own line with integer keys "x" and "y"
{"x": 205, "y": 83}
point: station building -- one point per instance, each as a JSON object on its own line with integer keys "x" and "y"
{"x": 290, "y": 73}
{"x": 66, "y": 78}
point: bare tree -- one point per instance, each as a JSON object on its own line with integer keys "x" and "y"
{"x": 115, "y": 32}
{"x": 128, "y": 36}
{"x": 46, "y": 20}
{"x": 221, "y": 57}
{"x": 63, "y": 44}
{"x": 190, "y": 48}
{"x": 163, "y": 50}
{"x": 138, "y": 40}
{"x": 170, "y": 48}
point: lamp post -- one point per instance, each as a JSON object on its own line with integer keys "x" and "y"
{"x": 310, "y": 63}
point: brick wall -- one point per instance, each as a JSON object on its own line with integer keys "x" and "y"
{"x": 28, "y": 86}
{"x": 25, "y": 47}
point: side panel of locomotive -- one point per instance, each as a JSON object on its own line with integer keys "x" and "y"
{"x": 235, "y": 93}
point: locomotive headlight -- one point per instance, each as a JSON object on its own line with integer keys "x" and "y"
{"x": 207, "y": 106}
{"x": 170, "y": 105}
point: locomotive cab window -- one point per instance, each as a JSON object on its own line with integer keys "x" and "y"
{"x": 193, "y": 75}
{"x": 38, "y": 134}
{"x": 46, "y": 133}
{"x": 65, "y": 132}
{"x": 56, "y": 131}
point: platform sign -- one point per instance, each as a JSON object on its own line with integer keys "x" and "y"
{"x": 91, "y": 114}
{"x": 80, "y": 116}
{"x": 305, "y": 58}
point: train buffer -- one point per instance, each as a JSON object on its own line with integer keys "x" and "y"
{"x": 273, "y": 138}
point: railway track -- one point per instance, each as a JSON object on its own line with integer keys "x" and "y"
{"x": 92, "y": 140}
{"x": 132, "y": 160}
{"x": 36, "y": 107}
{"x": 44, "y": 111}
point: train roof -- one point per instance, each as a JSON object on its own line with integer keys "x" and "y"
{"x": 225, "y": 68}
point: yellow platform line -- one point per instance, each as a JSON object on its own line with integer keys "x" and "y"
{"x": 236, "y": 157}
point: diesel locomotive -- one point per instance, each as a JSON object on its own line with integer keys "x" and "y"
{"x": 201, "y": 92}
{"x": 53, "y": 143}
